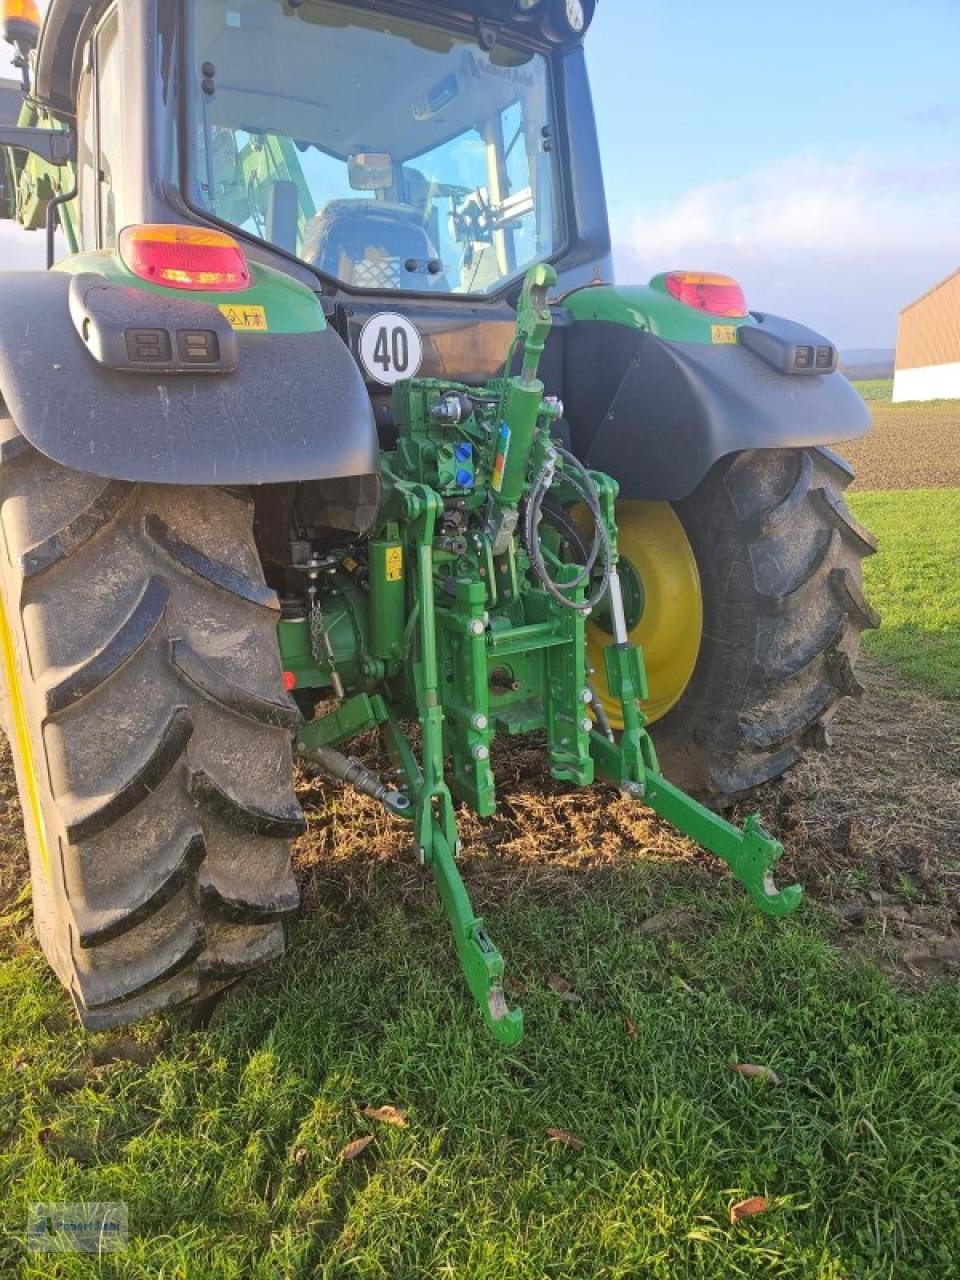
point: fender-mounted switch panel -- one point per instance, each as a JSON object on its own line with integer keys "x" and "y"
{"x": 787, "y": 346}
{"x": 134, "y": 331}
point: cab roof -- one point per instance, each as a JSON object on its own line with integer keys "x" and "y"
{"x": 68, "y": 23}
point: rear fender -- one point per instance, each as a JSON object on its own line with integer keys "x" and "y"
{"x": 657, "y": 411}
{"x": 294, "y": 408}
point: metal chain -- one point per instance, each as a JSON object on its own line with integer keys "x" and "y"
{"x": 320, "y": 646}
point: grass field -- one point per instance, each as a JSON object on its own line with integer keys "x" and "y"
{"x": 644, "y": 975}
{"x": 875, "y": 388}
{"x": 907, "y": 492}
{"x": 226, "y": 1144}
{"x": 915, "y": 583}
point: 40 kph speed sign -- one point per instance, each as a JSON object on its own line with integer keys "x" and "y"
{"x": 390, "y": 348}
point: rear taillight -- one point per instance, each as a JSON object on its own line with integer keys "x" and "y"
{"x": 717, "y": 295}
{"x": 185, "y": 257}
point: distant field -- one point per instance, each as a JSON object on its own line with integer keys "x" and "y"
{"x": 875, "y": 388}
{"x": 912, "y": 446}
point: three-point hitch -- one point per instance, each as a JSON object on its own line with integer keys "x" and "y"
{"x": 467, "y": 615}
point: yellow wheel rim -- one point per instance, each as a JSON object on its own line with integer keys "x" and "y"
{"x": 20, "y": 734}
{"x": 655, "y": 547}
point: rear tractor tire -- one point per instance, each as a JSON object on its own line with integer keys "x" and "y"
{"x": 151, "y": 734}
{"x": 779, "y": 558}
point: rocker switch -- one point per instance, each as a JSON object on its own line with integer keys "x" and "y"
{"x": 148, "y": 346}
{"x": 198, "y": 346}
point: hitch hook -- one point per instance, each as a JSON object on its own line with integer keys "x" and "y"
{"x": 753, "y": 867}
{"x": 481, "y": 962}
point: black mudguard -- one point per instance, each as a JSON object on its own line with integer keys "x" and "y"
{"x": 295, "y": 408}
{"x": 657, "y": 415}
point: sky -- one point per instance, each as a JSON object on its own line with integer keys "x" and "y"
{"x": 810, "y": 150}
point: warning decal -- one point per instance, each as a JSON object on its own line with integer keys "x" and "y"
{"x": 724, "y": 333}
{"x": 394, "y": 564}
{"x": 245, "y": 316}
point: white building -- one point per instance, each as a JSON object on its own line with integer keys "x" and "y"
{"x": 928, "y": 345}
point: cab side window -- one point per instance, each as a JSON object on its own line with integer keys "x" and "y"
{"x": 99, "y": 107}
{"x": 109, "y": 114}
{"x": 86, "y": 162}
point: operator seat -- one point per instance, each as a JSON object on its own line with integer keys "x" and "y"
{"x": 374, "y": 245}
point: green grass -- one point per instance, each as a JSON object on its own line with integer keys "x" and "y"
{"x": 225, "y": 1144}
{"x": 875, "y": 388}
{"x": 914, "y": 582}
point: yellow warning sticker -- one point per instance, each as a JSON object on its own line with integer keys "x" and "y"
{"x": 242, "y": 315}
{"x": 724, "y": 332}
{"x": 394, "y": 564}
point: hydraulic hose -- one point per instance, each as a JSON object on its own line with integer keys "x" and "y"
{"x": 578, "y": 479}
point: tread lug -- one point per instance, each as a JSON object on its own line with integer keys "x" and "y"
{"x": 64, "y": 689}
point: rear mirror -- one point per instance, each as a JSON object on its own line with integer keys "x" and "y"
{"x": 8, "y": 188}
{"x": 11, "y": 104}
{"x": 371, "y": 171}
{"x": 11, "y": 101}
{"x": 55, "y": 146}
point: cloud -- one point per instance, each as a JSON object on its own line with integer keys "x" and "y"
{"x": 840, "y": 246}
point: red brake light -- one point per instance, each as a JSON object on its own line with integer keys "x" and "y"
{"x": 289, "y": 681}
{"x": 185, "y": 257}
{"x": 718, "y": 295}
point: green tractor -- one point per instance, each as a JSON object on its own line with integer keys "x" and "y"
{"x": 331, "y": 420}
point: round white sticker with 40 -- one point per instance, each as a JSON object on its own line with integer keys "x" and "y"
{"x": 390, "y": 348}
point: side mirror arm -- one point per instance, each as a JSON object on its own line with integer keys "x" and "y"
{"x": 55, "y": 146}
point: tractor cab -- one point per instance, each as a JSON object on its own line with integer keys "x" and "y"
{"x": 412, "y": 159}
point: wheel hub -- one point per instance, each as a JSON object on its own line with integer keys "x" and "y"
{"x": 664, "y": 606}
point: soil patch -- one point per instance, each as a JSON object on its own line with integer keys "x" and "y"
{"x": 871, "y": 827}
{"x": 911, "y": 446}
